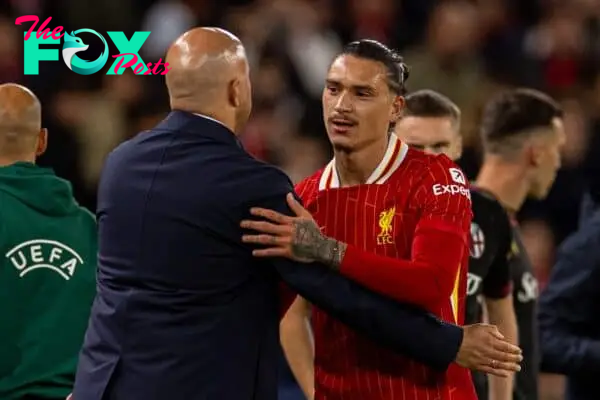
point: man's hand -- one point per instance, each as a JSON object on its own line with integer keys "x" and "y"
{"x": 298, "y": 238}
{"x": 484, "y": 349}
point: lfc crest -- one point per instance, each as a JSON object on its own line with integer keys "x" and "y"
{"x": 386, "y": 219}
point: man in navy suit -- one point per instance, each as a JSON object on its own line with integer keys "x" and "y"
{"x": 183, "y": 309}
{"x": 570, "y": 305}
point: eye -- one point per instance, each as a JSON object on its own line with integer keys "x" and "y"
{"x": 332, "y": 89}
{"x": 362, "y": 93}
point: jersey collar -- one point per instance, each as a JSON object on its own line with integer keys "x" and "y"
{"x": 392, "y": 159}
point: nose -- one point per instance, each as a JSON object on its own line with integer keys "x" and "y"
{"x": 343, "y": 103}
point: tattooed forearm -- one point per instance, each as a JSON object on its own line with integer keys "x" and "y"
{"x": 309, "y": 243}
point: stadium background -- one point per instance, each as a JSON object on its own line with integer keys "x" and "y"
{"x": 465, "y": 49}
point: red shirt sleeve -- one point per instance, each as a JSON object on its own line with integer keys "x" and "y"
{"x": 439, "y": 246}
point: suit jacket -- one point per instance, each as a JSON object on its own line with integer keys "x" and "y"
{"x": 183, "y": 309}
{"x": 569, "y": 311}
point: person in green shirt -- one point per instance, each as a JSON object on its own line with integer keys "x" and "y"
{"x": 48, "y": 246}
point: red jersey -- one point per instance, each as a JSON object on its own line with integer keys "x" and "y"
{"x": 408, "y": 194}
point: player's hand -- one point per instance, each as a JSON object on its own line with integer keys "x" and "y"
{"x": 484, "y": 349}
{"x": 295, "y": 238}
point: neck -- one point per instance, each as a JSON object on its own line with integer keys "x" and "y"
{"x": 6, "y": 161}
{"x": 506, "y": 181}
{"x": 217, "y": 113}
{"x": 355, "y": 167}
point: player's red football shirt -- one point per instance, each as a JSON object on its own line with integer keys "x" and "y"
{"x": 408, "y": 188}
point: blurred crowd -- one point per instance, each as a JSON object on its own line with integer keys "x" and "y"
{"x": 467, "y": 50}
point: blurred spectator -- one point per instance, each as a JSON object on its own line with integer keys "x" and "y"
{"x": 374, "y": 19}
{"x": 539, "y": 242}
{"x": 11, "y": 67}
{"x": 501, "y": 45}
{"x": 303, "y": 157}
{"x": 558, "y": 43}
{"x": 448, "y": 61}
{"x": 102, "y": 122}
{"x": 166, "y": 20}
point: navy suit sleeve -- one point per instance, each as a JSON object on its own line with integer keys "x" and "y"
{"x": 587, "y": 208}
{"x": 569, "y": 308}
{"x": 403, "y": 328}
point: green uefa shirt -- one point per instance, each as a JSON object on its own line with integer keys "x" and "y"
{"x": 48, "y": 246}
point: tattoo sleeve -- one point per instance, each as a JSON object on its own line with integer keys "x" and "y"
{"x": 310, "y": 243}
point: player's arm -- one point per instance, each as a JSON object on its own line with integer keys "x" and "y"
{"x": 568, "y": 307}
{"x": 296, "y": 340}
{"x": 438, "y": 248}
{"x": 403, "y": 328}
{"x": 497, "y": 287}
{"x": 501, "y": 313}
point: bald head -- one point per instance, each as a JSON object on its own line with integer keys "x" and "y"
{"x": 20, "y": 109}
{"x": 20, "y": 121}
{"x": 202, "y": 61}
{"x": 209, "y": 72}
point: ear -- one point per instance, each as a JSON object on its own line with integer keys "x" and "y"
{"x": 42, "y": 142}
{"x": 397, "y": 107}
{"x": 535, "y": 155}
{"x": 234, "y": 93}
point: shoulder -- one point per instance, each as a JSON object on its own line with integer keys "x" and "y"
{"x": 439, "y": 186}
{"x": 118, "y": 152}
{"x": 309, "y": 186}
{"x": 488, "y": 213}
{"x": 583, "y": 245}
{"x": 441, "y": 177}
{"x": 261, "y": 178}
{"x": 576, "y": 260}
{"x": 419, "y": 159}
{"x": 491, "y": 220}
{"x": 119, "y": 159}
{"x": 87, "y": 215}
{"x": 486, "y": 205}
{"x": 416, "y": 160}
{"x": 438, "y": 168}
{"x": 444, "y": 169}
